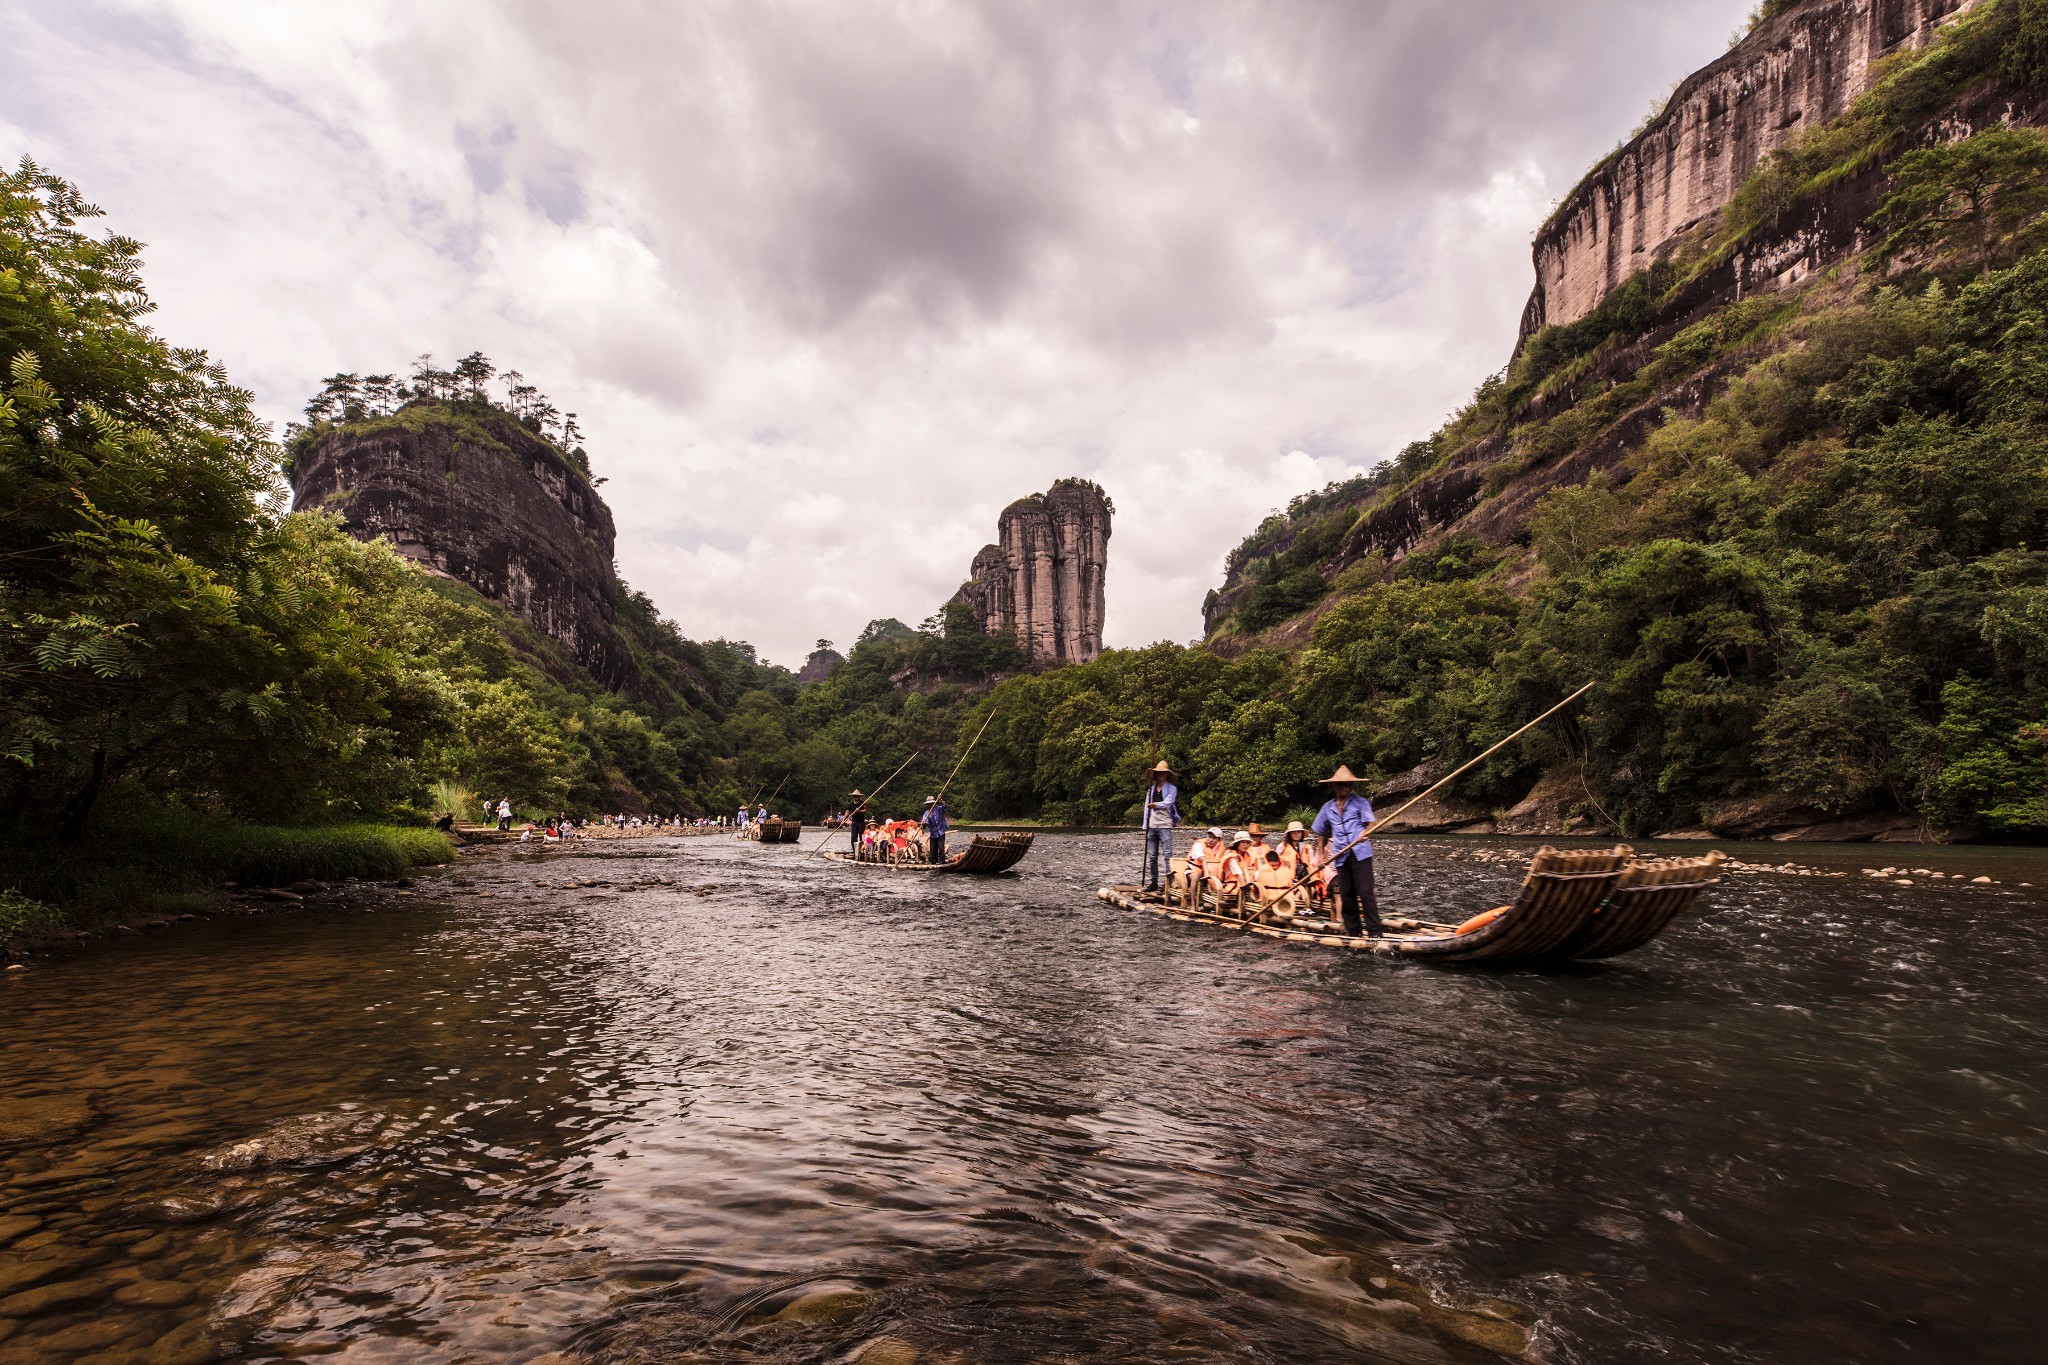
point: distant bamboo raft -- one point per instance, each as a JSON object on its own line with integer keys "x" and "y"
{"x": 1572, "y": 906}
{"x": 988, "y": 854}
{"x": 775, "y": 831}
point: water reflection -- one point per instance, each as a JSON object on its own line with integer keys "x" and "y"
{"x": 578, "y": 1111}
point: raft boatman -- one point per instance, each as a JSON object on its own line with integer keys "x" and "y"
{"x": 1162, "y": 815}
{"x": 1340, "y": 828}
{"x": 857, "y": 819}
{"x": 934, "y": 822}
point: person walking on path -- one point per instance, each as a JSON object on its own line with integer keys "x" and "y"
{"x": 1162, "y": 816}
{"x": 934, "y": 822}
{"x": 1343, "y": 819}
{"x": 857, "y": 820}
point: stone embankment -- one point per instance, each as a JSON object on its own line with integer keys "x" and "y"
{"x": 1562, "y": 804}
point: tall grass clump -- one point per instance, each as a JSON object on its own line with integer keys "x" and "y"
{"x": 141, "y": 854}
{"x": 452, "y": 796}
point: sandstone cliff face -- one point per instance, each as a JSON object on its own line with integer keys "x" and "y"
{"x": 1045, "y": 578}
{"x": 486, "y": 502}
{"x": 1795, "y": 71}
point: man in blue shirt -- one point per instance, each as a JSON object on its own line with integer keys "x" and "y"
{"x": 934, "y": 823}
{"x": 1162, "y": 814}
{"x": 1345, "y": 817}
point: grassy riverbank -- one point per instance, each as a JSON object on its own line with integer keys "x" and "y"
{"x": 149, "y": 862}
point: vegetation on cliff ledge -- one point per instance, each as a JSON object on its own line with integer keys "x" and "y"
{"x": 1825, "y": 586}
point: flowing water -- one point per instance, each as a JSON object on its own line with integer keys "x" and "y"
{"x": 579, "y": 1110}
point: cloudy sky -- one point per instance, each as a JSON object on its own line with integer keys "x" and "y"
{"x": 832, "y": 281}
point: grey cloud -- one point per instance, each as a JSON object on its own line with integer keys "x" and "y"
{"x": 945, "y": 250}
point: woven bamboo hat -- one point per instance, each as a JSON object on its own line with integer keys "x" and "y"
{"x": 856, "y": 792}
{"x": 1343, "y": 774}
{"x": 1160, "y": 767}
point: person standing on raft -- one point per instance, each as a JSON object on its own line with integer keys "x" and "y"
{"x": 857, "y": 819}
{"x": 934, "y": 822}
{"x": 1339, "y": 828}
{"x": 1162, "y": 814}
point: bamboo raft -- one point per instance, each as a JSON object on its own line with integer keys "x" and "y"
{"x": 1572, "y": 906}
{"x": 987, "y": 855}
{"x": 775, "y": 830}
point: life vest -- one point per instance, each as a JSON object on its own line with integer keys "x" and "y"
{"x": 1232, "y": 871}
{"x": 1198, "y": 853}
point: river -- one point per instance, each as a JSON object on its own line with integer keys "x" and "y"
{"x": 579, "y": 1110}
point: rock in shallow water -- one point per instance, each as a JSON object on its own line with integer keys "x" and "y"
{"x": 310, "y": 1140}
{"x": 32, "y": 1302}
{"x": 828, "y": 1307}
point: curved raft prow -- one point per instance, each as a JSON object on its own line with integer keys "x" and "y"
{"x": 985, "y": 856}
{"x": 1571, "y": 906}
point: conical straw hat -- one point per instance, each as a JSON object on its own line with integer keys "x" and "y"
{"x": 1161, "y": 768}
{"x": 1343, "y": 774}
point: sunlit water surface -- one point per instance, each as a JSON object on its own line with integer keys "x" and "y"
{"x": 817, "y": 1114}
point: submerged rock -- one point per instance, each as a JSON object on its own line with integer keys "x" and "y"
{"x": 45, "y": 1118}
{"x": 828, "y": 1307}
{"x": 311, "y": 1140}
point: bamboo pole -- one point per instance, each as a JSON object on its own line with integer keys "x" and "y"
{"x": 1366, "y": 833}
{"x": 780, "y": 785}
{"x": 963, "y": 758}
{"x": 863, "y": 804}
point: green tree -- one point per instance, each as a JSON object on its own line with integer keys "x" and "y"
{"x": 1976, "y": 196}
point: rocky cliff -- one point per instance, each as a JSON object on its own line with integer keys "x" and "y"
{"x": 1672, "y": 199}
{"x": 1797, "y": 69}
{"x": 1044, "y": 579}
{"x": 482, "y": 500}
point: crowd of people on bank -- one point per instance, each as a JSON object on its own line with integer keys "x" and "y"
{"x": 557, "y": 827}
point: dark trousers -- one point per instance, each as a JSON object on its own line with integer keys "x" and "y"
{"x": 859, "y": 828}
{"x": 938, "y": 842}
{"x": 1158, "y": 857}
{"x": 1354, "y": 889}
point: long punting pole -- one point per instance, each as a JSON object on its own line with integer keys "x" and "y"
{"x": 963, "y": 758}
{"x": 862, "y": 805}
{"x": 780, "y": 785}
{"x": 1384, "y": 819}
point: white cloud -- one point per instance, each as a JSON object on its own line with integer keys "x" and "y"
{"x": 830, "y": 283}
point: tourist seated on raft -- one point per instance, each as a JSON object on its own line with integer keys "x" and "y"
{"x": 1229, "y": 873}
{"x": 1275, "y": 883}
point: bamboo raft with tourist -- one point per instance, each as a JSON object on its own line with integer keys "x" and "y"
{"x": 920, "y": 845}
{"x": 986, "y": 855}
{"x": 1317, "y": 886}
{"x": 774, "y": 830}
{"x": 1573, "y": 905}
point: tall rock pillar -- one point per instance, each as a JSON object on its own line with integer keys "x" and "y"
{"x": 1045, "y": 578}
